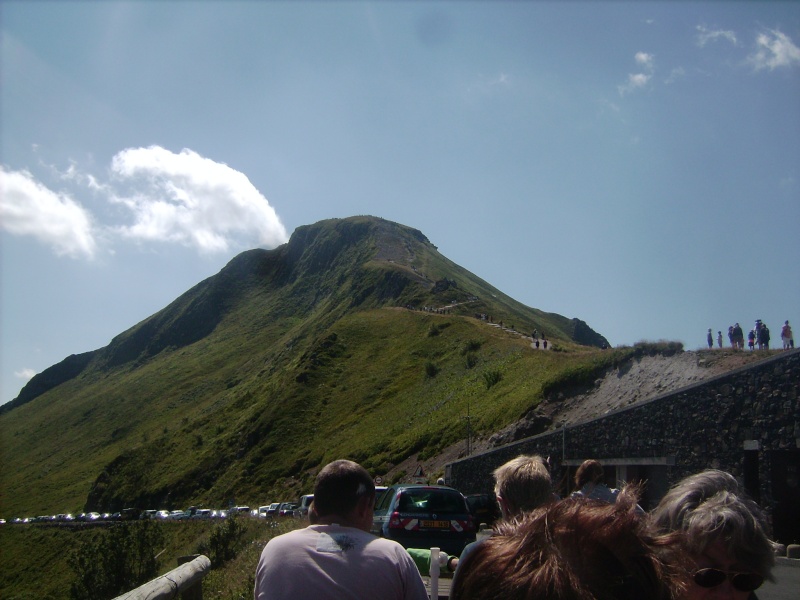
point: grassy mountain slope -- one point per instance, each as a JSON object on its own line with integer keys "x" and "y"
{"x": 247, "y": 383}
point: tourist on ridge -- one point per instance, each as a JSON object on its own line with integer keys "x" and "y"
{"x": 710, "y": 339}
{"x": 337, "y": 558}
{"x": 751, "y": 338}
{"x": 725, "y": 535}
{"x": 719, "y": 339}
{"x": 763, "y": 337}
{"x": 786, "y": 336}
{"x": 731, "y": 337}
{"x": 738, "y": 336}
{"x": 575, "y": 549}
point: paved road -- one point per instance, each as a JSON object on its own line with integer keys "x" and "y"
{"x": 786, "y": 586}
{"x": 787, "y": 581}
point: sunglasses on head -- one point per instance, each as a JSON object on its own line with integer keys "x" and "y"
{"x": 744, "y": 582}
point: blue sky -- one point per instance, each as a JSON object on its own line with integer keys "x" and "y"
{"x": 632, "y": 164}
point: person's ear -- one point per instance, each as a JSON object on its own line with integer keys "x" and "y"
{"x": 503, "y": 505}
{"x": 365, "y": 505}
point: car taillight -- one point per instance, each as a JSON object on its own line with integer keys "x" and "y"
{"x": 469, "y": 524}
{"x": 394, "y": 521}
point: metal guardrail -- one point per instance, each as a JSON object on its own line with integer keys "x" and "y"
{"x": 185, "y": 581}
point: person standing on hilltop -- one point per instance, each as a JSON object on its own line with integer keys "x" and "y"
{"x": 751, "y": 338}
{"x": 786, "y": 336}
{"x": 738, "y": 336}
{"x": 763, "y": 337}
{"x": 710, "y": 339}
{"x": 719, "y": 339}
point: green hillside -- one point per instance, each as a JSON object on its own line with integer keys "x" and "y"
{"x": 244, "y": 386}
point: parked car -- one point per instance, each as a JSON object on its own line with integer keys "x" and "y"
{"x": 425, "y": 516}
{"x": 484, "y": 508}
{"x": 303, "y": 505}
{"x": 202, "y": 513}
{"x": 161, "y": 514}
{"x": 273, "y": 509}
{"x": 286, "y": 509}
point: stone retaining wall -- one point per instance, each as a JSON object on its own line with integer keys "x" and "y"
{"x": 746, "y": 422}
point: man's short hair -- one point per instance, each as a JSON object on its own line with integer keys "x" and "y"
{"x": 574, "y": 549}
{"x": 339, "y": 487}
{"x": 523, "y": 483}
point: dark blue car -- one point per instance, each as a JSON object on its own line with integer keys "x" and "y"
{"x": 425, "y": 516}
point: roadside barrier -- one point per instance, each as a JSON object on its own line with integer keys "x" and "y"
{"x": 185, "y": 581}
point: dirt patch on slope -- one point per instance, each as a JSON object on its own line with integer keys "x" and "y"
{"x": 635, "y": 381}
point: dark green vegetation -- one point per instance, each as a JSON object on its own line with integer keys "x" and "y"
{"x": 56, "y": 562}
{"x": 244, "y": 386}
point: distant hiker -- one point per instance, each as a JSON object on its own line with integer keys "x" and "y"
{"x": 710, "y": 339}
{"x": 763, "y": 337}
{"x": 544, "y": 344}
{"x": 738, "y": 336}
{"x": 536, "y": 334}
{"x": 786, "y": 336}
{"x": 719, "y": 339}
{"x": 751, "y": 338}
{"x": 730, "y": 337}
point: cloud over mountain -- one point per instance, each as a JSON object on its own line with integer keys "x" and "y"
{"x": 179, "y": 198}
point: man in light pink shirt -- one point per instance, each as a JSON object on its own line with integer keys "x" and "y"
{"x": 337, "y": 557}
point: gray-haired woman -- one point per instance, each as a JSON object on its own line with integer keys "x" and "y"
{"x": 726, "y": 535}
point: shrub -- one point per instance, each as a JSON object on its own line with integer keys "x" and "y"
{"x": 223, "y": 544}
{"x": 431, "y": 370}
{"x": 471, "y": 346}
{"x": 492, "y": 377}
{"x": 116, "y": 561}
{"x": 471, "y": 360}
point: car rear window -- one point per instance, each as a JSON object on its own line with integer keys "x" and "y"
{"x": 426, "y": 501}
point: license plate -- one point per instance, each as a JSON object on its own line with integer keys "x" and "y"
{"x": 435, "y": 524}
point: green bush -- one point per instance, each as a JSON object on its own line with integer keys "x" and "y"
{"x": 431, "y": 370}
{"x": 471, "y": 346}
{"x": 117, "y": 560}
{"x": 471, "y": 360}
{"x": 223, "y": 544}
{"x": 492, "y": 377}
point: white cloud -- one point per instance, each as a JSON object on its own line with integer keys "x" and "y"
{"x": 706, "y": 35}
{"x": 645, "y": 60}
{"x": 773, "y": 50}
{"x": 639, "y": 80}
{"x": 192, "y": 200}
{"x": 25, "y": 374}
{"x": 635, "y": 81}
{"x": 30, "y": 208}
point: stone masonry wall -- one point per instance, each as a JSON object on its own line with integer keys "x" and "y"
{"x": 707, "y": 425}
